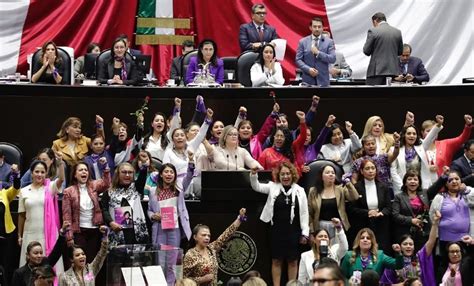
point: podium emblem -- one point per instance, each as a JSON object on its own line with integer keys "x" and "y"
{"x": 238, "y": 255}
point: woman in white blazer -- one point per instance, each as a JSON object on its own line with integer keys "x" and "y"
{"x": 286, "y": 210}
{"x": 310, "y": 259}
{"x": 412, "y": 156}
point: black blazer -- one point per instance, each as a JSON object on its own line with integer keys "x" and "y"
{"x": 358, "y": 215}
{"x": 22, "y": 276}
{"x": 462, "y": 167}
{"x": 106, "y": 72}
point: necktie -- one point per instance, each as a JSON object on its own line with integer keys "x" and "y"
{"x": 472, "y": 165}
{"x": 316, "y": 42}
{"x": 260, "y": 33}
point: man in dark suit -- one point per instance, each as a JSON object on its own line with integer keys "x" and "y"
{"x": 255, "y": 34}
{"x": 464, "y": 165}
{"x": 384, "y": 44}
{"x": 411, "y": 69}
{"x": 175, "y": 72}
{"x": 314, "y": 54}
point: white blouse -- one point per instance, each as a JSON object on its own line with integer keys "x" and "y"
{"x": 266, "y": 77}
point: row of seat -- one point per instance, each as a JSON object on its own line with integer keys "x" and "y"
{"x": 238, "y": 66}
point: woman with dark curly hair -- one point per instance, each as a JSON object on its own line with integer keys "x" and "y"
{"x": 284, "y": 149}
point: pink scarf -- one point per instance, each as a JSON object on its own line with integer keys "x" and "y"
{"x": 51, "y": 218}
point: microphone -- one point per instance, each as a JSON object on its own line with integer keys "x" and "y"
{"x": 227, "y": 162}
{"x": 236, "y": 162}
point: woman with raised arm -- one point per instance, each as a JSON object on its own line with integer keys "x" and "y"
{"x": 412, "y": 154}
{"x": 417, "y": 264}
{"x": 200, "y": 262}
{"x": 176, "y": 153}
{"x": 337, "y": 148}
{"x": 284, "y": 149}
{"x": 71, "y": 143}
{"x": 121, "y": 146}
{"x": 247, "y": 139}
{"x": 83, "y": 272}
{"x": 35, "y": 257}
{"x": 286, "y": 210}
{"x": 38, "y": 212}
{"x": 81, "y": 207}
{"x": 98, "y": 151}
{"x": 441, "y": 152}
{"x": 382, "y": 161}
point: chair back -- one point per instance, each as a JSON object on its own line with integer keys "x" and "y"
{"x": 310, "y": 179}
{"x": 185, "y": 63}
{"x": 12, "y": 153}
{"x": 244, "y": 63}
{"x": 230, "y": 66}
{"x": 67, "y": 57}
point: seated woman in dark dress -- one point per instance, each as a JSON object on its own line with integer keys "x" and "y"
{"x": 50, "y": 68}
{"x": 120, "y": 68}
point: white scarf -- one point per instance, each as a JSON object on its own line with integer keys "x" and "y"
{"x": 291, "y": 192}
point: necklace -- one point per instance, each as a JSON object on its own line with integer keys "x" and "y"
{"x": 287, "y": 194}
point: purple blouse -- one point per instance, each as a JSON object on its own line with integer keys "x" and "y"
{"x": 454, "y": 223}
{"x": 217, "y": 71}
{"x": 424, "y": 270}
{"x": 383, "y": 167}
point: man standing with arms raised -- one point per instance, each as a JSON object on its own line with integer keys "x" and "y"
{"x": 384, "y": 44}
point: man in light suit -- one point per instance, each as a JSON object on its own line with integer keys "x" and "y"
{"x": 464, "y": 165}
{"x": 314, "y": 55}
{"x": 256, "y": 34}
{"x": 411, "y": 69}
{"x": 384, "y": 44}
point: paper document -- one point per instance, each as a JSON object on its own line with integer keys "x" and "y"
{"x": 280, "y": 48}
{"x": 133, "y": 276}
{"x": 154, "y": 275}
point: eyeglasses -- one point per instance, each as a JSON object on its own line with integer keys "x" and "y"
{"x": 261, "y": 14}
{"x": 321, "y": 281}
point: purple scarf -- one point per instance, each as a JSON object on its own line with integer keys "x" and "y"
{"x": 123, "y": 73}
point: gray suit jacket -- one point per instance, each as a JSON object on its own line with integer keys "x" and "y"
{"x": 305, "y": 60}
{"x": 384, "y": 44}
